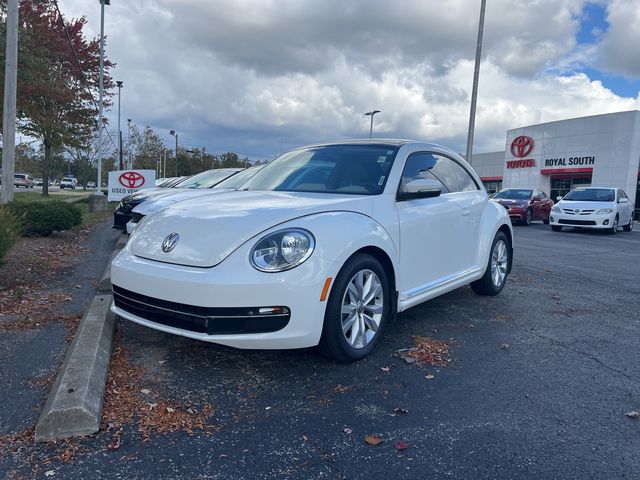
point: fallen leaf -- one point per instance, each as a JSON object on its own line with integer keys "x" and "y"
{"x": 305, "y": 438}
{"x": 49, "y": 473}
{"x": 400, "y": 411}
{"x": 347, "y": 430}
{"x": 152, "y": 406}
{"x": 385, "y": 369}
{"x": 115, "y": 442}
{"x": 505, "y": 346}
{"x": 401, "y": 445}
{"x": 372, "y": 440}
{"x": 145, "y": 391}
{"x": 170, "y": 410}
{"x": 429, "y": 377}
{"x": 632, "y": 414}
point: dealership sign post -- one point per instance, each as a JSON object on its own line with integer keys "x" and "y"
{"x": 128, "y": 182}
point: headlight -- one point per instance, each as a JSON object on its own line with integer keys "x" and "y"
{"x": 604, "y": 211}
{"x": 282, "y": 250}
{"x": 556, "y": 208}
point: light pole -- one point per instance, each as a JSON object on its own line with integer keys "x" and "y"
{"x": 474, "y": 91}
{"x": 371, "y": 114}
{"x": 175, "y": 134}
{"x": 100, "y": 94}
{"x": 9, "y": 111}
{"x": 120, "y": 165}
{"x": 129, "y": 162}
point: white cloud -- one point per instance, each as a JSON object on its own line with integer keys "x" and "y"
{"x": 250, "y": 75}
{"x": 620, "y": 52}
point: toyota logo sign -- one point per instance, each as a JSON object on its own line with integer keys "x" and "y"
{"x": 132, "y": 179}
{"x": 521, "y": 146}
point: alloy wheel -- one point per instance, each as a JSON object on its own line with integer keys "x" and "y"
{"x": 499, "y": 263}
{"x": 362, "y": 308}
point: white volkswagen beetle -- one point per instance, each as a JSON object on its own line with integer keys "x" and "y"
{"x": 321, "y": 247}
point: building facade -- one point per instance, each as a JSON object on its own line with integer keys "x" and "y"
{"x": 599, "y": 150}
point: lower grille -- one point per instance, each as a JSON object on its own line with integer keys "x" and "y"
{"x": 211, "y": 321}
{"x": 577, "y": 222}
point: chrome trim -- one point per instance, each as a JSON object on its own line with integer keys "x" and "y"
{"x": 417, "y": 291}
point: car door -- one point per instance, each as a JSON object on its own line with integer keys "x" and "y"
{"x": 438, "y": 235}
{"x": 625, "y": 208}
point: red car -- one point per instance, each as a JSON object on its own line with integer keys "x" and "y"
{"x": 525, "y": 204}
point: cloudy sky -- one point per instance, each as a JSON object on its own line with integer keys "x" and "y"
{"x": 261, "y": 76}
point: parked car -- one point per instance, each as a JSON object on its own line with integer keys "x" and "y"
{"x": 23, "y": 180}
{"x": 207, "y": 179}
{"x": 162, "y": 201}
{"x": 525, "y": 204}
{"x": 69, "y": 182}
{"x": 38, "y": 182}
{"x": 321, "y": 247}
{"x": 592, "y": 207}
{"x": 91, "y": 184}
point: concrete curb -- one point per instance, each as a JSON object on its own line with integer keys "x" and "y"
{"x": 77, "y": 199}
{"x": 74, "y": 405}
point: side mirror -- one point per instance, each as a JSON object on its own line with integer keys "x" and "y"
{"x": 558, "y": 198}
{"x": 623, "y": 200}
{"x": 420, "y": 188}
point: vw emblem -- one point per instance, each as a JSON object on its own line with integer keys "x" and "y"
{"x": 170, "y": 242}
{"x": 521, "y": 146}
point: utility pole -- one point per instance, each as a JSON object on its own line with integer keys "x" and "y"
{"x": 100, "y": 95}
{"x": 9, "y": 112}
{"x": 474, "y": 91}
{"x": 164, "y": 166}
{"x": 175, "y": 134}
{"x": 202, "y": 158}
{"x": 120, "y": 164}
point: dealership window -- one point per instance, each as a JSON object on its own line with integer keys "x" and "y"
{"x": 561, "y": 186}
{"x": 492, "y": 186}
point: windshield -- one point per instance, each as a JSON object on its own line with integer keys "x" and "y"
{"x": 514, "y": 194}
{"x": 591, "y": 195}
{"x": 207, "y": 179}
{"x": 239, "y": 179}
{"x": 348, "y": 169}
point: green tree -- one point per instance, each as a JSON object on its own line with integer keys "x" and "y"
{"x": 56, "y": 87}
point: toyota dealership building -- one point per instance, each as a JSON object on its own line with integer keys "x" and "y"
{"x": 601, "y": 150}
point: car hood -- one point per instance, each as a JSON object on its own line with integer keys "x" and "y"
{"x": 585, "y": 205}
{"x": 179, "y": 195}
{"x": 211, "y": 228}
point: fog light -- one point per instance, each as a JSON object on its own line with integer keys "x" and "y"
{"x": 273, "y": 310}
{"x": 606, "y": 222}
{"x": 551, "y": 219}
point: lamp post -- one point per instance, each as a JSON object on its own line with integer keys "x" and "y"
{"x": 120, "y": 165}
{"x": 371, "y": 114}
{"x": 474, "y": 91}
{"x": 129, "y": 162}
{"x": 100, "y": 95}
{"x": 175, "y": 134}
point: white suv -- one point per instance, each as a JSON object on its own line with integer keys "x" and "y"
{"x": 587, "y": 207}
{"x": 69, "y": 182}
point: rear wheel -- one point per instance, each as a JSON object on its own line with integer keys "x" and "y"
{"x": 556, "y": 228}
{"x": 357, "y": 310}
{"x": 495, "y": 276}
{"x": 628, "y": 228}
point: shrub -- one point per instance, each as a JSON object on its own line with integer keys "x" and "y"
{"x": 41, "y": 219}
{"x": 9, "y": 230}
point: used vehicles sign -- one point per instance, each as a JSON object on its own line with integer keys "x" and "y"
{"x": 128, "y": 182}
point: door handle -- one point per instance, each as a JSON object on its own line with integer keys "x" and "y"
{"x": 465, "y": 211}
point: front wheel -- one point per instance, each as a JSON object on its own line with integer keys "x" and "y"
{"x": 528, "y": 217}
{"x": 358, "y": 308}
{"x": 628, "y": 228}
{"x": 495, "y": 276}
{"x": 614, "y": 227}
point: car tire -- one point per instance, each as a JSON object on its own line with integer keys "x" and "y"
{"x": 345, "y": 344}
{"x": 528, "y": 217}
{"x": 614, "y": 227}
{"x": 629, "y": 227}
{"x": 556, "y": 228}
{"x": 498, "y": 266}
{"x": 546, "y": 220}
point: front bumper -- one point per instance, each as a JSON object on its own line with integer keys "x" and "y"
{"x": 593, "y": 221}
{"x": 185, "y": 293}
{"x": 120, "y": 219}
{"x": 517, "y": 213}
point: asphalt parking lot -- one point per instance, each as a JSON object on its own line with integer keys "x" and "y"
{"x": 538, "y": 386}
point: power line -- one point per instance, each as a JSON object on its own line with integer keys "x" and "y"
{"x": 82, "y": 75}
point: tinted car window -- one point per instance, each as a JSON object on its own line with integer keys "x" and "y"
{"x": 452, "y": 176}
{"x": 591, "y": 195}
{"x": 417, "y": 166}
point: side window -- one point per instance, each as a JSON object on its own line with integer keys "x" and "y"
{"x": 452, "y": 174}
{"x": 420, "y": 165}
{"x": 543, "y": 195}
{"x": 622, "y": 194}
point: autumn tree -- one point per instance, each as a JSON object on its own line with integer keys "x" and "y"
{"x": 57, "y": 84}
